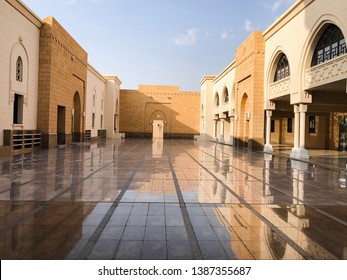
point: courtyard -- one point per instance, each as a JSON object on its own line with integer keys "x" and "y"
{"x": 135, "y": 199}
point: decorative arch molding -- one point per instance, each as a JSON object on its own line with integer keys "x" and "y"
{"x": 76, "y": 125}
{"x": 21, "y": 86}
{"x": 216, "y": 101}
{"x": 275, "y": 58}
{"x": 226, "y": 95}
{"x": 158, "y": 115}
{"x": 310, "y": 45}
{"x": 281, "y": 87}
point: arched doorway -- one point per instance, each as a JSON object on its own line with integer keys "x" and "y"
{"x": 76, "y": 118}
{"x": 244, "y": 121}
{"x": 158, "y": 120}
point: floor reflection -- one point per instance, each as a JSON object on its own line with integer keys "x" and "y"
{"x": 144, "y": 199}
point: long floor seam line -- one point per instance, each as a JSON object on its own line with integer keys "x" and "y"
{"x": 72, "y": 186}
{"x": 255, "y": 212}
{"x": 187, "y": 222}
{"x": 277, "y": 189}
{"x": 97, "y": 233}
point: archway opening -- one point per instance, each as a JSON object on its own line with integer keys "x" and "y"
{"x": 76, "y": 118}
{"x": 244, "y": 121}
{"x": 158, "y": 121}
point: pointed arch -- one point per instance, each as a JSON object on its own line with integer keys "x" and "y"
{"x": 76, "y": 118}
{"x": 331, "y": 44}
{"x": 226, "y": 96}
{"x": 19, "y": 69}
{"x": 19, "y": 72}
{"x": 282, "y": 69}
{"x": 313, "y": 38}
{"x": 216, "y": 99}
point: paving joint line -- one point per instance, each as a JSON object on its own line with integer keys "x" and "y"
{"x": 279, "y": 190}
{"x": 72, "y": 186}
{"x": 257, "y": 214}
{"x": 97, "y": 233}
{"x": 187, "y": 222}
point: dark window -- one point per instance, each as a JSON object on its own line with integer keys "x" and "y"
{"x": 312, "y": 124}
{"x": 330, "y": 45}
{"x": 282, "y": 70}
{"x": 272, "y": 125}
{"x": 93, "y": 120}
{"x": 289, "y": 125}
{"x": 217, "y": 99}
{"x": 101, "y": 121}
{"x": 19, "y": 69}
{"x": 18, "y": 109}
{"x": 226, "y": 96}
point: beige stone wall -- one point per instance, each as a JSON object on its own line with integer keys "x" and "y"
{"x": 179, "y": 111}
{"x": 95, "y": 101}
{"x": 206, "y": 108}
{"x": 20, "y": 35}
{"x": 249, "y": 80}
{"x": 63, "y": 72}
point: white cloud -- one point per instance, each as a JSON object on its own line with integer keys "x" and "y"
{"x": 248, "y": 25}
{"x": 187, "y": 39}
{"x": 278, "y": 3}
{"x": 227, "y": 34}
{"x": 224, "y": 35}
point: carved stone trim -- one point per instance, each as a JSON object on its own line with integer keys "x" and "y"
{"x": 280, "y": 88}
{"x": 328, "y": 72}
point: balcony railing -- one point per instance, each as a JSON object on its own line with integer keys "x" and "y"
{"x": 222, "y": 108}
{"x": 327, "y": 72}
{"x": 280, "y": 88}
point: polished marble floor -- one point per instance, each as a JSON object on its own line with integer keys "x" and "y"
{"x": 178, "y": 199}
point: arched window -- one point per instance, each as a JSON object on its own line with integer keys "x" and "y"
{"x": 282, "y": 70}
{"x": 19, "y": 69}
{"x": 216, "y": 99}
{"x": 226, "y": 96}
{"x": 330, "y": 45}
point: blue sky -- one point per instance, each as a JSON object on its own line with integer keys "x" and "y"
{"x": 166, "y": 42}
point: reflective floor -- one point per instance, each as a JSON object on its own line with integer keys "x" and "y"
{"x": 178, "y": 199}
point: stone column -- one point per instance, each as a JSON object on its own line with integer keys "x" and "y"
{"x": 296, "y": 126}
{"x": 302, "y": 110}
{"x": 299, "y": 150}
{"x": 221, "y": 137}
{"x": 231, "y": 139}
{"x": 268, "y": 147}
{"x": 301, "y": 194}
{"x": 215, "y": 130}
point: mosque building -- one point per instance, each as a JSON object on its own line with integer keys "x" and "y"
{"x": 285, "y": 88}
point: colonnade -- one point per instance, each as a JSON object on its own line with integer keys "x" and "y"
{"x": 298, "y": 150}
{"x": 222, "y": 138}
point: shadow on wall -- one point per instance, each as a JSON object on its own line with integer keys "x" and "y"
{"x": 178, "y": 111}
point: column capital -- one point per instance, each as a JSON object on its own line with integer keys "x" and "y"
{"x": 269, "y": 113}
{"x": 302, "y": 108}
{"x": 222, "y": 116}
{"x": 269, "y": 105}
{"x": 296, "y": 108}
